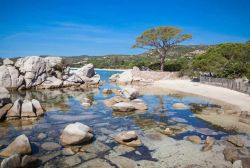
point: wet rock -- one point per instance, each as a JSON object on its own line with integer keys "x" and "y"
{"x": 27, "y": 109}
{"x": 236, "y": 140}
{"x": 194, "y": 139}
{"x": 15, "y": 110}
{"x": 230, "y": 154}
{"x": 20, "y": 145}
{"x": 96, "y": 147}
{"x": 38, "y": 108}
{"x": 123, "y": 107}
{"x": 4, "y": 109}
{"x": 208, "y": 144}
{"x": 29, "y": 161}
{"x": 107, "y": 91}
{"x": 13, "y": 161}
{"x": 130, "y": 93}
{"x": 180, "y": 106}
{"x": 76, "y": 133}
{"x": 128, "y": 138}
{"x": 122, "y": 162}
{"x": 42, "y": 136}
{"x": 50, "y": 156}
{"x": 50, "y": 146}
{"x": 237, "y": 164}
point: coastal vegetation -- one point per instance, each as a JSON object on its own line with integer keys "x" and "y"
{"x": 159, "y": 40}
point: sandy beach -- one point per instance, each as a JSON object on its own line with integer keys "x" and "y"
{"x": 232, "y": 97}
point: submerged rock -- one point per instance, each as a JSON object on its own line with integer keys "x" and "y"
{"x": 50, "y": 146}
{"x": 13, "y": 161}
{"x": 128, "y": 138}
{"x": 87, "y": 102}
{"x": 29, "y": 161}
{"x": 76, "y": 133}
{"x": 20, "y": 145}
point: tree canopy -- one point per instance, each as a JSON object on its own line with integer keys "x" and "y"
{"x": 159, "y": 40}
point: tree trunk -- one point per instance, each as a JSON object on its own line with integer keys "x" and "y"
{"x": 162, "y": 64}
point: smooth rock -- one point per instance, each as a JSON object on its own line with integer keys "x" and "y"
{"x": 29, "y": 161}
{"x": 27, "y": 109}
{"x": 38, "y": 108}
{"x": 194, "y": 139}
{"x": 50, "y": 146}
{"x": 180, "y": 106}
{"x": 128, "y": 138}
{"x": 20, "y": 145}
{"x": 13, "y": 161}
{"x": 7, "y": 61}
{"x": 68, "y": 152}
{"x": 76, "y": 133}
{"x": 123, "y": 107}
{"x": 4, "y": 109}
{"x": 15, "y": 110}
{"x": 130, "y": 93}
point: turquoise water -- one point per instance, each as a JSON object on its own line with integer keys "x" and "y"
{"x": 64, "y": 106}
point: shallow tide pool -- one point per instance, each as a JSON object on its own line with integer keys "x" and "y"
{"x": 63, "y": 107}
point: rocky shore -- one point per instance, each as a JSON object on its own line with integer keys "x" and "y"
{"x": 44, "y": 73}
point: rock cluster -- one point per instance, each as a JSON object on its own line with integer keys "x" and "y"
{"x": 127, "y": 101}
{"x": 48, "y": 72}
{"x": 18, "y": 154}
{"x": 20, "y": 108}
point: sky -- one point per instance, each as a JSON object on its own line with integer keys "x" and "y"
{"x": 100, "y": 27}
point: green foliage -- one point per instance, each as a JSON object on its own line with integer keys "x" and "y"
{"x": 230, "y": 60}
{"x": 160, "y": 40}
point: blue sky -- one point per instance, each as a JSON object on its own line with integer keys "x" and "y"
{"x": 98, "y": 27}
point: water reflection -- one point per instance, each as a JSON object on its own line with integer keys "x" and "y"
{"x": 63, "y": 106}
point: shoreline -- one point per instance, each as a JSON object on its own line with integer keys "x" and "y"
{"x": 225, "y": 95}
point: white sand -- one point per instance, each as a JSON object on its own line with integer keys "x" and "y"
{"x": 235, "y": 98}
